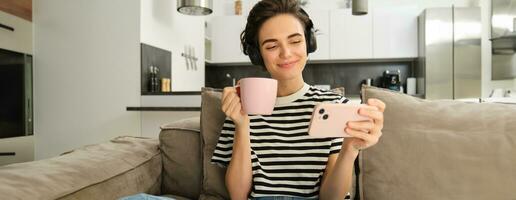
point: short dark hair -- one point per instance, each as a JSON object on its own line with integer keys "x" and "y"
{"x": 263, "y": 11}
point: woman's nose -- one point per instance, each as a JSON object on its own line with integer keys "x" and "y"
{"x": 285, "y": 52}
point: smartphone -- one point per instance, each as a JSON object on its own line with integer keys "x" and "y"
{"x": 330, "y": 119}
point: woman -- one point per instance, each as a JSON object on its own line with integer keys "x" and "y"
{"x": 272, "y": 157}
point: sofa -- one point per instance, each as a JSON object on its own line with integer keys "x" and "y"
{"x": 439, "y": 149}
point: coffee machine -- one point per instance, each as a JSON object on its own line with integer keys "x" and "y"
{"x": 391, "y": 80}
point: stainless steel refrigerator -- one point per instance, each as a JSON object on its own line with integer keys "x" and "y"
{"x": 503, "y": 37}
{"x": 449, "y": 64}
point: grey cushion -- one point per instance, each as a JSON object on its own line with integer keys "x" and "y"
{"x": 124, "y": 166}
{"x": 181, "y": 154}
{"x": 212, "y": 119}
{"x": 440, "y": 149}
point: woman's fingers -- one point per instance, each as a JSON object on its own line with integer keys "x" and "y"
{"x": 361, "y": 125}
{"x": 359, "y": 134}
{"x": 371, "y": 112}
{"x": 227, "y": 92}
{"x": 376, "y": 103}
{"x": 226, "y": 102}
{"x": 234, "y": 106}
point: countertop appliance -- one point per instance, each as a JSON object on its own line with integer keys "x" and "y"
{"x": 449, "y": 53}
{"x": 16, "y": 113}
{"x": 503, "y": 38}
{"x": 391, "y": 80}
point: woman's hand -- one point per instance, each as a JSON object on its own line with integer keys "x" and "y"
{"x": 232, "y": 106}
{"x": 365, "y": 133}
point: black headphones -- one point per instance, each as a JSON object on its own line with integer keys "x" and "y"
{"x": 253, "y": 51}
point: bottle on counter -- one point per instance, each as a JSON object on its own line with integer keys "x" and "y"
{"x": 156, "y": 80}
{"x": 153, "y": 79}
{"x": 165, "y": 85}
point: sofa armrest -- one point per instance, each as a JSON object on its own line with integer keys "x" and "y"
{"x": 180, "y": 145}
{"x": 121, "y": 167}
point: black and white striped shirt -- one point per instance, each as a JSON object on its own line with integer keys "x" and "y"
{"x": 286, "y": 161}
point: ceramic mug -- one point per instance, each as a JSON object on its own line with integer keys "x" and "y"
{"x": 258, "y": 95}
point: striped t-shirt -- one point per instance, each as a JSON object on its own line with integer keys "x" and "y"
{"x": 286, "y": 161}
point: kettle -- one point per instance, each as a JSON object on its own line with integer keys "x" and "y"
{"x": 391, "y": 80}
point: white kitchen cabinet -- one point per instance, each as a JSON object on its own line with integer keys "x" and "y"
{"x": 395, "y": 32}
{"x": 19, "y": 39}
{"x": 351, "y": 37}
{"x": 16, "y": 150}
{"x": 225, "y": 39}
{"x": 321, "y": 20}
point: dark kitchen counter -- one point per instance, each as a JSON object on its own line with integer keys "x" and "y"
{"x": 156, "y": 108}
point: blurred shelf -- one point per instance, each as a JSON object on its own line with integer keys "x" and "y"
{"x": 136, "y": 108}
{"x": 171, "y": 93}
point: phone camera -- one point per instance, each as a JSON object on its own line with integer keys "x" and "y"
{"x": 325, "y": 116}
{"x": 321, "y": 111}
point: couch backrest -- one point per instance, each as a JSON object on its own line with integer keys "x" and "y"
{"x": 440, "y": 149}
{"x": 180, "y": 144}
{"x": 124, "y": 166}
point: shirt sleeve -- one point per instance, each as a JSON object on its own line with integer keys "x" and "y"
{"x": 224, "y": 149}
{"x": 336, "y": 144}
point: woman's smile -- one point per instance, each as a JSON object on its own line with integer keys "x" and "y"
{"x": 288, "y": 64}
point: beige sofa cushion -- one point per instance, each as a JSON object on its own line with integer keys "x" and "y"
{"x": 182, "y": 164}
{"x": 212, "y": 118}
{"x": 122, "y": 167}
{"x": 141, "y": 179}
{"x": 440, "y": 149}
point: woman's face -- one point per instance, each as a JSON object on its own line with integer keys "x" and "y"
{"x": 283, "y": 47}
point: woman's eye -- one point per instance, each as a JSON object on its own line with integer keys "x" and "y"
{"x": 297, "y": 41}
{"x": 271, "y": 47}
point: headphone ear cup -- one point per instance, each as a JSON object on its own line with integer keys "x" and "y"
{"x": 311, "y": 42}
{"x": 254, "y": 56}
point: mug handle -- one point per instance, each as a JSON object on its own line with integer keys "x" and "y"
{"x": 237, "y": 87}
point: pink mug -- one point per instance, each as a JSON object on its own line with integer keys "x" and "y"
{"x": 258, "y": 95}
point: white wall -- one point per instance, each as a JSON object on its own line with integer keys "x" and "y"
{"x": 87, "y": 70}
{"x": 487, "y": 84}
{"x": 19, "y": 40}
{"x": 226, "y": 7}
{"x": 163, "y": 27}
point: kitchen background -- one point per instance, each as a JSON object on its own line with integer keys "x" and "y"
{"x": 92, "y": 60}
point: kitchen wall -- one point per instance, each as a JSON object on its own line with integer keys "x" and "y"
{"x": 225, "y": 7}
{"x": 163, "y": 27}
{"x": 19, "y": 40}
{"x": 87, "y": 70}
{"x": 487, "y": 84}
{"x": 347, "y": 75}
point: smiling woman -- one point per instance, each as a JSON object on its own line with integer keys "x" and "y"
{"x": 272, "y": 156}
{"x": 283, "y": 48}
